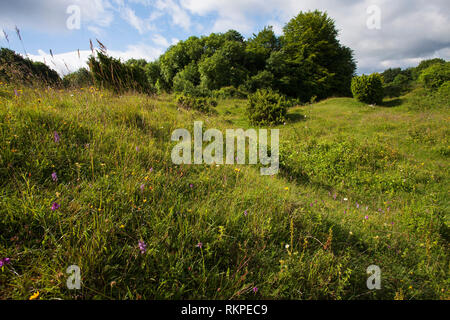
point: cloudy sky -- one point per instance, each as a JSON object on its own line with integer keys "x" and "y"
{"x": 406, "y": 32}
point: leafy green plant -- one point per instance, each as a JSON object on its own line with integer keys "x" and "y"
{"x": 368, "y": 88}
{"x": 201, "y": 104}
{"x": 266, "y": 107}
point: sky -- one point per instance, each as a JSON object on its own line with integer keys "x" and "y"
{"x": 382, "y": 33}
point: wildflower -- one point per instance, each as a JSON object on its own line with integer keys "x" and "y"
{"x": 4, "y": 262}
{"x": 286, "y": 246}
{"x": 199, "y": 245}
{"x": 151, "y": 169}
{"x": 54, "y": 177}
{"x": 255, "y": 290}
{"x": 237, "y": 170}
{"x": 191, "y": 185}
{"x": 142, "y": 246}
{"x": 367, "y": 207}
{"x": 16, "y": 93}
{"x": 56, "y": 137}
{"x": 287, "y": 188}
{"x": 345, "y": 199}
{"x": 137, "y": 148}
{"x": 334, "y": 196}
{"x": 121, "y": 226}
{"x": 357, "y": 205}
{"x": 55, "y": 206}
{"x": 245, "y": 213}
{"x": 34, "y": 296}
{"x": 366, "y": 217}
{"x": 142, "y": 187}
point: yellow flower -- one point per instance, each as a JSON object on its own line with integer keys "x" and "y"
{"x": 237, "y": 170}
{"x": 34, "y": 296}
{"x": 287, "y": 188}
{"x": 145, "y": 200}
{"x": 121, "y": 226}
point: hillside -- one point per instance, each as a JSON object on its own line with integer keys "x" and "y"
{"x": 86, "y": 175}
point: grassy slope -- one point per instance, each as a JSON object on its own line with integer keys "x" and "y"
{"x": 339, "y": 159}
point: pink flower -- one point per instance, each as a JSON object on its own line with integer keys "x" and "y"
{"x": 56, "y": 137}
{"x": 199, "y": 245}
{"x": 54, "y": 177}
{"x": 366, "y": 217}
{"x": 142, "y": 246}
{"x": 55, "y": 206}
{"x": 255, "y": 290}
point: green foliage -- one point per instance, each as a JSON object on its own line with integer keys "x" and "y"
{"x": 313, "y": 62}
{"x": 266, "y": 107}
{"x": 201, "y": 104}
{"x": 357, "y": 186}
{"x": 14, "y": 68}
{"x": 262, "y": 80}
{"x": 78, "y": 79}
{"x": 111, "y": 73}
{"x": 368, "y": 89}
{"x": 435, "y": 75}
{"x": 229, "y": 92}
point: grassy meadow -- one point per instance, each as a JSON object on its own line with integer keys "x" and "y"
{"x": 85, "y": 175}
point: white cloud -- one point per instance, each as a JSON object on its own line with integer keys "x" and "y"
{"x": 179, "y": 16}
{"x": 130, "y": 16}
{"x": 410, "y": 29}
{"x": 160, "y": 40}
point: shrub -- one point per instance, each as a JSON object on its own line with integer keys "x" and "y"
{"x": 368, "y": 89}
{"x": 111, "y": 73}
{"x": 229, "y": 92}
{"x": 266, "y": 107}
{"x": 434, "y": 76}
{"x": 79, "y": 78}
{"x": 195, "y": 103}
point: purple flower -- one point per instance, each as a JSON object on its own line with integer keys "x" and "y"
{"x": 151, "y": 169}
{"x": 245, "y": 213}
{"x": 55, "y": 206}
{"x": 54, "y": 177}
{"x": 357, "y": 205}
{"x": 255, "y": 290}
{"x": 142, "y": 187}
{"x": 199, "y": 245}
{"x": 345, "y": 211}
{"x": 142, "y": 246}
{"x": 4, "y": 262}
{"x": 191, "y": 185}
{"x": 366, "y": 217}
{"x": 56, "y": 137}
{"x": 334, "y": 196}
{"x": 137, "y": 148}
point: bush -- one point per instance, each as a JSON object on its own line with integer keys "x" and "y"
{"x": 111, "y": 73}
{"x": 267, "y": 107}
{"x": 195, "y": 103}
{"x": 433, "y": 77}
{"x": 368, "y": 89}
{"x": 79, "y": 78}
{"x": 229, "y": 92}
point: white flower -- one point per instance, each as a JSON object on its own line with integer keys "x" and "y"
{"x": 345, "y": 199}
{"x": 286, "y": 246}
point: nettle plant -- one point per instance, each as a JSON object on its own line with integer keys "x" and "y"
{"x": 368, "y": 88}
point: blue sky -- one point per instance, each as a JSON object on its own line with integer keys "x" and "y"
{"x": 409, "y": 30}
